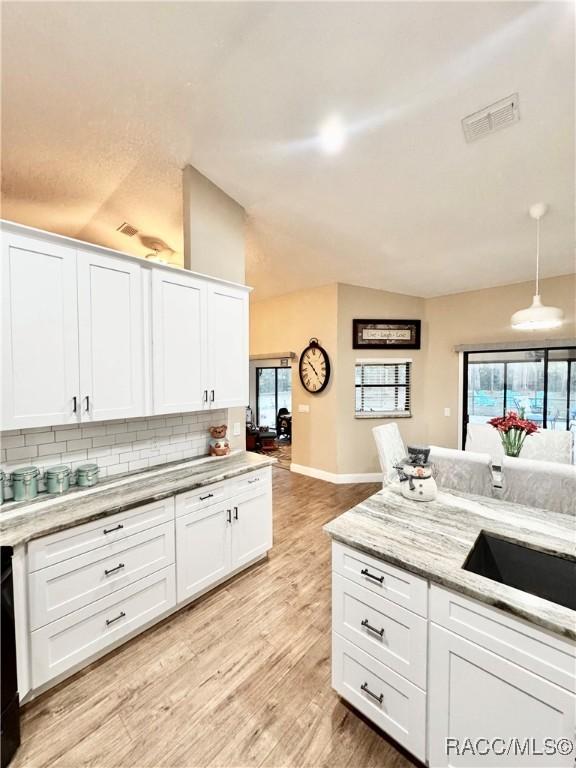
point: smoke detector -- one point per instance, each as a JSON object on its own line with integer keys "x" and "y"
{"x": 126, "y": 229}
{"x": 492, "y": 118}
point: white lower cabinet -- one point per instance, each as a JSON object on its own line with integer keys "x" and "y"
{"x": 482, "y": 704}
{"x": 458, "y": 683}
{"x": 88, "y": 588}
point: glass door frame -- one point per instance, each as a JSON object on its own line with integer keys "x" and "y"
{"x": 274, "y": 368}
{"x": 546, "y": 351}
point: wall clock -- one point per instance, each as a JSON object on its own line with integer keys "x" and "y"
{"x": 314, "y": 368}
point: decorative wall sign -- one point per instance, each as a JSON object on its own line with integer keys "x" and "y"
{"x": 386, "y": 334}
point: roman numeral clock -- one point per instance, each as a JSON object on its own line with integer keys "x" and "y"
{"x": 314, "y": 368}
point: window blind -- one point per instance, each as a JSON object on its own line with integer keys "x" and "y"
{"x": 383, "y": 388}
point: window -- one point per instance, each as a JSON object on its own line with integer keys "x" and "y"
{"x": 273, "y": 391}
{"x": 541, "y": 382}
{"x": 382, "y": 389}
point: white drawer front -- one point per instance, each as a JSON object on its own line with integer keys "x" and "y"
{"x": 78, "y": 636}
{"x": 541, "y": 652}
{"x": 251, "y": 480}
{"x": 390, "y": 701}
{"x": 192, "y": 501}
{"x": 393, "y": 635}
{"x": 99, "y": 533}
{"x": 71, "y": 584}
{"x": 380, "y": 577}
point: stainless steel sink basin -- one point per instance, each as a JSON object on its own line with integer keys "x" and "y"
{"x": 530, "y": 570}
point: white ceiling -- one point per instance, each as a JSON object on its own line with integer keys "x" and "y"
{"x": 104, "y": 103}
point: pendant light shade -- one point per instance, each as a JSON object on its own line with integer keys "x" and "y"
{"x": 537, "y": 316}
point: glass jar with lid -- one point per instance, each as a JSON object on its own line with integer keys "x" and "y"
{"x": 58, "y": 479}
{"x": 25, "y": 483}
{"x": 87, "y": 475}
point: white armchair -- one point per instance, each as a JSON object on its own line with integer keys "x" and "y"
{"x": 544, "y": 484}
{"x": 391, "y": 450}
{"x": 463, "y": 470}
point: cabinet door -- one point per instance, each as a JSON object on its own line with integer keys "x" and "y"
{"x": 112, "y": 337}
{"x": 202, "y": 550}
{"x": 179, "y": 342}
{"x": 478, "y": 696}
{"x": 251, "y": 528}
{"x": 228, "y": 346}
{"x": 40, "y": 333}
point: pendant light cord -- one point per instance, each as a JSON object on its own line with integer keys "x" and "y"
{"x": 538, "y": 256}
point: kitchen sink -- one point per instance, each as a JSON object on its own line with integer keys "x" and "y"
{"x": 531, "y": 570}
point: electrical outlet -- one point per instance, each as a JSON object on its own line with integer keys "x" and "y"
{"x": 236, "y": 428}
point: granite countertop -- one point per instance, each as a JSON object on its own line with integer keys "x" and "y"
{"x": 23, "y": 521}
{"x": 432, "y": 540}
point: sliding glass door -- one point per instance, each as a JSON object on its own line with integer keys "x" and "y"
{"x": 539, "y": 382}
{"x": 273, "y": 391}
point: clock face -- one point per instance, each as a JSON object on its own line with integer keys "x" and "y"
{"x": 314, "y": 368}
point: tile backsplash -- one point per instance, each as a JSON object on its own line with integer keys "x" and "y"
{"x": 120, "y": 446}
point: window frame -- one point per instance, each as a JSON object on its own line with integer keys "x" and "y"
{"x": 274, "y": 368}
{"x": 388, "y": 362}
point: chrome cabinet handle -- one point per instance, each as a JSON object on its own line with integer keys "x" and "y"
{"x": 235, "y": 513}
{"x": 116, "y": 528}
{"x": 379, "y": 699}
{"x": 74, "y": 404}
{"x": 366, "y": 572}
{"x": 229, "y": 515}
{"x": 113, "y": 570}
{"x": 208, "y": 496}
{"x": 121, "y": 615}
{"x": 87, "y": 399}
{"x": 365, "y": 623}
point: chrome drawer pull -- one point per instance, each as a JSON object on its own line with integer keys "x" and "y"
{"x": 117, "y": 528}
{"x": 113, "y": 570}
{"x": 208, "y": 496}
{"x": 380, "y": 632}
{"x": 366, "y": 572}
{"x": 121, "y": 615}
{"x": 256, "y": 479}
{"x": 379, "y": 699}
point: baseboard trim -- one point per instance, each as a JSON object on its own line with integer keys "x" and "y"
{"x": 333, "y": 477}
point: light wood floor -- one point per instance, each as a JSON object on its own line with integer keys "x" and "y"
{"x": 241, "y": 678}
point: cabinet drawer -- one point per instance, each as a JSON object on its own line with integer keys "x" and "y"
{"x": 380, "y": 577}
{"x": 191, "y": 501}
{"x": 394, "y": 636}
{"x": 67, "y": 586}
{"x": 62, "y": 644}
{"x": 545, "y": 654}
{"x": 252, "y": 480}
{"x": 388, "y": 700}
{"x": 100, "y": 533}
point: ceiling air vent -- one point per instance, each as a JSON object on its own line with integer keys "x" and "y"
{"x": 498, "y": 115}
{"x": 126, "y": 229}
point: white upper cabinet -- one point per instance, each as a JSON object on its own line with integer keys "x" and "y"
{"x": 178, "y": 342}
{"x": 111, "y": 331}
{"x": 227, "y": 346}
{"x": 40, "y": 368}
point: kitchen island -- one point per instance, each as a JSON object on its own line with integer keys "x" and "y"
{"x": 432, "y": 652}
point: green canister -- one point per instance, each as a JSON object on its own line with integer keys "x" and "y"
{"x": 87, "y": 475}
{"x": 58, "y": 479}
{"x": 25, "y": 483}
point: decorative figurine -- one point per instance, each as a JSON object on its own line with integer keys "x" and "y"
{"x": 219, "y": 445}
{"x": 416, "y": 476}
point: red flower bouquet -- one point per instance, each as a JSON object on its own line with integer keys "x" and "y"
{"x": 513, "y": 430}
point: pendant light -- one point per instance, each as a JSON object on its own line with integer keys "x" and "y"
{"x": 537, "y": 316}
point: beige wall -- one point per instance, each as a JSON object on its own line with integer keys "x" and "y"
{"x": 479, "y": 316}
{"x": 214, "y": 244}
{"x": 355, "y": 442}
{"x": 329, "y": 437}
{"x": 214, "y": 229}
{"x": 287, "y": 323}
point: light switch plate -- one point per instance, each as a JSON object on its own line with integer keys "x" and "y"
{"x": 236, "y": 429}
{"x": 303, "y": 409}
{"x": 447, "y": 412}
